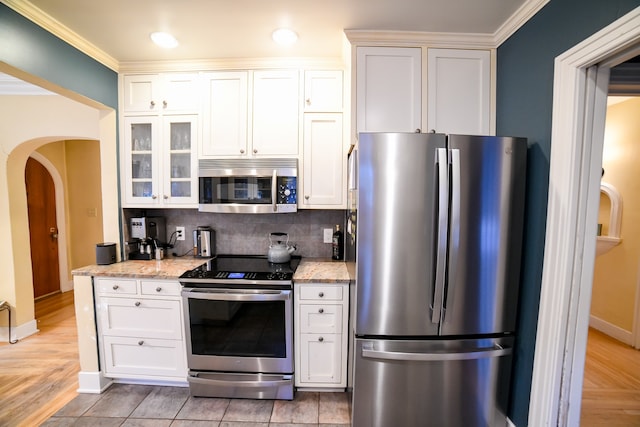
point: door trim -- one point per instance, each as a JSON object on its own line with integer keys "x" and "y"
{"x": 63, "y": 265}
{"x": 569, "y": 257}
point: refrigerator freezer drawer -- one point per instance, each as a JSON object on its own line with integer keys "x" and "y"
{"x": 449, "y": 383}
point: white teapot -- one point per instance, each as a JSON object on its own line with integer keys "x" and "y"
{"x": 279, "y": 252}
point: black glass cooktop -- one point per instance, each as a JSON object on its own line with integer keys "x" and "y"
{"x": 253, "y": 268}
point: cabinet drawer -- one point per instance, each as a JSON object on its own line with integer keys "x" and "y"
{"x": 160, "y": 287}
{"x": 330, "y": 293}
{"x": 143, "y": 356}
{"x": 320, "y": 318}
{"x": 116, "y": 286}
{"x": 139, "y": 317}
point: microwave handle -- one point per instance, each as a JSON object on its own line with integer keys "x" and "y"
{"x": 274, "y": 189}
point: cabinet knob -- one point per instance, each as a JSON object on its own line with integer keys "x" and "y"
{"x": 432, "y": 131}
{"x": 154, "y": 197}
{"x": 164, "y": 104}
{"x": 158, "y": 289}
{"x": 320, "y": 339}
{"x": 152, "y": 104}
{"x": 308, "y": 101}
{"x": 115, "y": 287}
{"x": 241, "y": 151}
{"x": 306, "y": 197}
{"x": 140, "y": 342}
{"x": 321, "y": 294}
{"x": 255, "y": 151}
{"x": 418, "y": 130}
{"x": 137, "y": 304}
{"x": 166, "y": 197}
{"x": 321, "y": 310}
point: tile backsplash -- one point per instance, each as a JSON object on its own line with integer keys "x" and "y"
{"x": 247, "y": 233}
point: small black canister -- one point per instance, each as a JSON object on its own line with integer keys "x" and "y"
{"x": 105, "y": 253}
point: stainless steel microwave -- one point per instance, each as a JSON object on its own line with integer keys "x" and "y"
{"x": 248, "y": 185}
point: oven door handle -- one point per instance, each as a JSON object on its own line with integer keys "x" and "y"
{"x": 235, "y": 295}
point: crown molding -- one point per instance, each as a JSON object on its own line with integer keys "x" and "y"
{"x": 419, "y": 38}
{"x": 231, "y": 64}
{"x": 517, "y": 20}
{"x": 55, "y": 27}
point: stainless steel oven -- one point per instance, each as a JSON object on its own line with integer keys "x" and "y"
{"x": 238, "y": 314}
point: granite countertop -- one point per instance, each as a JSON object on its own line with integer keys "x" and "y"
{"x": 313, "y": 270}
{"x": 310, "y": 270}
{"x": 168, "y": 268}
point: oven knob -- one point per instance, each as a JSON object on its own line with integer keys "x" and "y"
{"x": 287, "y": 192}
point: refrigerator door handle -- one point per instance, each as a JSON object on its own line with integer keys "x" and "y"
{"x": 443, "y": 224}
{"x": 477, "y": 353}
{"x": 454, "y": 241}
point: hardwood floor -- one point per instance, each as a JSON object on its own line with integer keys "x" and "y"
{"x": 39, "y": 374}
{"x": 611, "y": 390}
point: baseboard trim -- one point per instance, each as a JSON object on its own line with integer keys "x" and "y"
{"x": 18, "y": 332}
{"x": 93, "y": 382}
{"x": 612, "y": 330}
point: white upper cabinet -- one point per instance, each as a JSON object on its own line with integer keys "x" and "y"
{"x": 324, "y": 161}
{"x": 388, "y": 89}
{"x": 160, "y": 93}
{"x": 251, "y": 114}
{"x": 225, "y": 113}
{"x": 323, "y": 92}
{"x": 459, "y": 91}
{"x": 159, "y": 163}
{"x": 275, "y": 113}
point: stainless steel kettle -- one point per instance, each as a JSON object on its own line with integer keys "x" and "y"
{"x": 279, "y": 249}
{"x": 204, "y": 242}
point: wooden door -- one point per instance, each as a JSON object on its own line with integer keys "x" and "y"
{"x": 43, "y": 229}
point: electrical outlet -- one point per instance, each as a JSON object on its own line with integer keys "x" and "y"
{"x": 180, "y": 233}
{"x": 327, "y": 235}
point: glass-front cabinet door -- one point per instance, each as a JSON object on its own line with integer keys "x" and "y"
{"x": 160, "y": 162}
{"x": 140, "y": 147}
{"x": 180, "y": 160}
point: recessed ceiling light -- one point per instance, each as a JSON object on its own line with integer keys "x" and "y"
{"x": 164, "y": 40}
{"x": 284, "y": 36}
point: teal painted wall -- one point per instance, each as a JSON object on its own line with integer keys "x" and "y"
{"x": 524, "y": 103}
{"x": 28, "y": 47}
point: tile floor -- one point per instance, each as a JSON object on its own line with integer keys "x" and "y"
{"x": 156, "y": 406}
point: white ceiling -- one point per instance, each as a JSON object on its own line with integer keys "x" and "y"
{"x": 241, "y": 28}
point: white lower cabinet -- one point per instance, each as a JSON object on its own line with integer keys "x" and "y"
{"x": 321, "y": 322}
{"x": 140, "y": 329}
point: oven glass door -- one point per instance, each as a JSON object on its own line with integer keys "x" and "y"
{"x": 239, "y": 330}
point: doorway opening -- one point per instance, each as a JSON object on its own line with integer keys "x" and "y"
{"x": 611, "y": 384}
{"x": 580, "y": 91}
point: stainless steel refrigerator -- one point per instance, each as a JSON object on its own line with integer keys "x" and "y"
{"x": 439, "y": 235}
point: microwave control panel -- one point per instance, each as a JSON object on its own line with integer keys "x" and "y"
{"x": 287, "y": 191}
